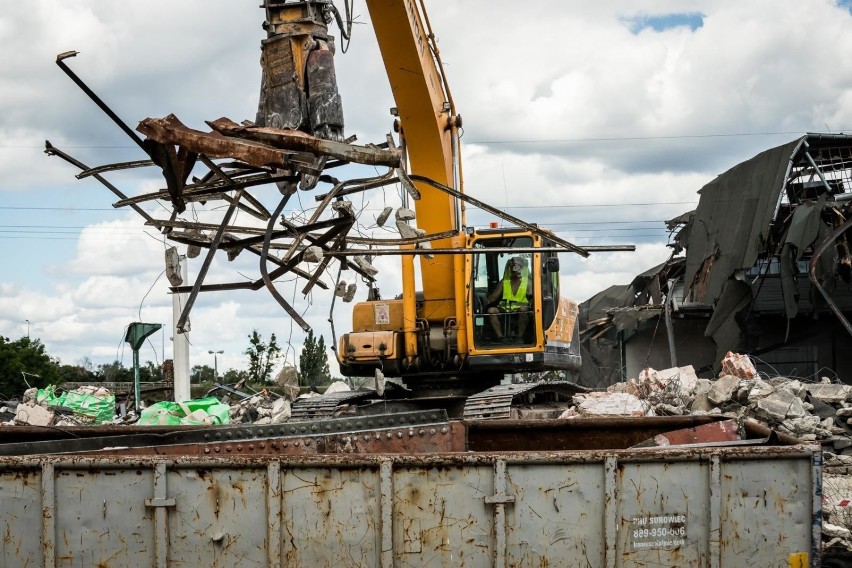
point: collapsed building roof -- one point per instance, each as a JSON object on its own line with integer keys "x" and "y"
{"x": 759, "y": 229}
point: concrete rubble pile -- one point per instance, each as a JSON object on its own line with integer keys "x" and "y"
{"x": 812, "y": 412}
{"x": 261, "y": 409}
{"x": 36, "y": 410}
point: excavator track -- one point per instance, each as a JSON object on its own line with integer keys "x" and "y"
{"x": 541, "y": 400}
{"x": 326, "y": 406}
{"x": 512, "y": 401}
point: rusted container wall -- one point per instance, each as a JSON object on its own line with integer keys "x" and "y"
{"x": 713, "y": 507}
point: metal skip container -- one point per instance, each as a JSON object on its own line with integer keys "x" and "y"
{"x": 708, "y": 506}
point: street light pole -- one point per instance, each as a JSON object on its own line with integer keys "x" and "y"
{"x": 216, "y": 364}
{"x": 28, "y": 329}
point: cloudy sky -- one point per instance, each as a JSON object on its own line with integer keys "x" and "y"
{"x": 599, "y": 120}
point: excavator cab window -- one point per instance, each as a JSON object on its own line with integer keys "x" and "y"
{"x": 549, "y": 285}
{"x": 503, "y": 288}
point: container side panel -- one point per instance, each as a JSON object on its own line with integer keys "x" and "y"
{"x": 331, "y": 517}
{"x": 557, "y": 517}
{"x": 102, "y": 520}
{"x": 663, "y": 510}
{"x": 440, "y": 516}
{"x": 219, "y": 518}
{"x": 20, "y": 518}
{"x": 766, "y": 511}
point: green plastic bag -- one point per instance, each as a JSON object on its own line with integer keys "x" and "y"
{"x": 167, "y": 413}
{"x": 96, "y": 409}
{"x": 47, "y": 395}
{"x": 86, "y": 406}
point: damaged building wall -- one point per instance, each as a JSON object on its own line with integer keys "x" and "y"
{"x": 732, "y": 220}
{"x": 649, "y": 347}
{"x": 749, "y": 249}
{"x": 805, "y": 348}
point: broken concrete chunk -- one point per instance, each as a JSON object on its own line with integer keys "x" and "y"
{"x": 287, "y": 380}
{"x": 628, "y": 386}
{"x": 613, "y": 404}
{"x": 281, "y": 411}
{"x": 831, "y": 530}
{"x": 380, "y": 382}
{"x": 200, "y": 415}
{"x": 738, "y": 366}
{"x": 404, "y": 214}
{"x": 383, "y": 216}
{"x": 406, "y": 231}
{"x": 677, "y": 380}
{"x": 802, "y": 426}
{"x": 669, "y": 410}
{"x": 233, "y": 253}
{"x": 701, "y": 403}
{"x": 33, "y": 415}
{"x": 365, "y": 265}
{"x": 278, "y": 405}
{"x": 173, "y": 266}
{"x": 30, "y": 395}
{"x": 350, "y": 292}
{"x": 570, "y": 413}
{"x": 780, "y": 405}
{"x": 830, "y": 393}
{"x": 759, "y": 389}
{"x": 428, "y": 246}
{"x": 312, "y": 254}
{"x": 344, "y": 208}
{"x": 337, "y": 386}
{"x": 340, "y": 289}
{"x": 723, "y": 389}
{"x": 193, "y": 251}
{"x": 793, "y": 385}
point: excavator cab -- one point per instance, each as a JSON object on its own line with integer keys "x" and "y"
{"x": 516, "y": 318}
{"x": 504, "y": 294}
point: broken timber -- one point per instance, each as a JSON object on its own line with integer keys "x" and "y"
{"x": 225, "y": 143}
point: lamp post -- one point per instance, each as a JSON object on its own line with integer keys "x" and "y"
{"x": 28, "y": 329}
{"x": 216, "y": 364}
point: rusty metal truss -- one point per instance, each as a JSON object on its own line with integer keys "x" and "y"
{"x": 238, "y": 164}
{"x": 249, "y": 159}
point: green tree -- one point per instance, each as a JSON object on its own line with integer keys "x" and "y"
{"x": 114, "y": 372}
{"x": 313, "y": 362}
{"x": 201, "y": 373}
{"x": 23, "y": 362}
{"x": 75, "y": 374}
{"x": 262, "y": 357}
{"x": 232, "y": 376}
{"x": 150, "y": 373}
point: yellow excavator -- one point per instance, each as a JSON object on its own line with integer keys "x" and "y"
{"x": 489, "y": 302}
{"x": 449, "y": 328}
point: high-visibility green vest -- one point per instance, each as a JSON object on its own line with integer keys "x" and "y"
{"x": 517, "y": 300}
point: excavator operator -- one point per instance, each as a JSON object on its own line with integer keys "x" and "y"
{"x": 511, "y": 297}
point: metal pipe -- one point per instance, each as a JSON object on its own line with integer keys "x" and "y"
{"x": 817, "y": 170}
{"x": 51, "y": 150}
{"x": 505, "y": 216}
{"x": 214, "y": 245}
{"x": 397, "y": 252}
{"x": 60, "y": 60}
{"x": 669, "y": 326}
{"x": 264, "y": 272}
{"x": 812, "y": 272}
